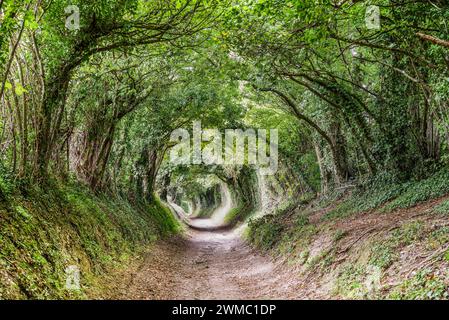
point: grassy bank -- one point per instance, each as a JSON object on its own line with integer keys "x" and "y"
{"x": 380, "y": 240}
{"x": 42, "y": 232}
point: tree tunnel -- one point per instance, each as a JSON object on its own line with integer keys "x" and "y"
{"x": 225, "y": 197}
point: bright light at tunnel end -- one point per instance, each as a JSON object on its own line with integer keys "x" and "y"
{"x": 233, "y": 147}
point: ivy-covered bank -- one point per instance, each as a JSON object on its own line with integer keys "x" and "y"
{"x": 245, "y": 195}
{"x": 207, "y": 202}
{"x": 45, "y": 231}
{"x": 381, "y": 239}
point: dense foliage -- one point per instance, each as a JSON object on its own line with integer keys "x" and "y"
{"x": 98, "y": 101}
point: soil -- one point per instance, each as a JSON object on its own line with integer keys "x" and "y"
{"x": 210, "y": 262}
{"x": 209, "y": 265}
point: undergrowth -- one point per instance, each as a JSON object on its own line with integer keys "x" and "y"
{"x": 425, "y": 285}
{"x": 289, "y": 232}
{"x": 44, "y": 232}
{"x": 264, "y": 232}
{"x": 238, "y": 214}
{"x": 385, "y": 252}
{"x": 387, "y": 194}
{"x": 350, "y": 282}
{"x": 420, "y": 191}
{"x": 442, "y": 208}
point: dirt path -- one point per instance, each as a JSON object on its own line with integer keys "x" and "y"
{"x": 206, "y": 264}
{"x": 214, "y": 263}
{"x": 209, "y": 265}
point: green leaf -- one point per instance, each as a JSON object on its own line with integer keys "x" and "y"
{"x": 8, "y": 85}
{"x": 20, "y": 90}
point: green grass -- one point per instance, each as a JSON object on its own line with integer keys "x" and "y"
{"x": 302, "y": 220}
{"x": 268, "y": 231}
{"x": 442, "y": 208}
{"x": 296, "y": 242}
{"x": 233, "y": 214}
{"x": 364, "y": 201}
{"x": 349, "y": 283}
{"x": 264, "y": 232}
{"x": 323, "y": 260}
{"x": 239, "y": 214}
{"x": 46, "y": 231}
{"x": 385, "y": 252}
{"x": 438, "y": 237}
{"x": 339, "y": 234}
{"x": 420, "y": 191}
{"x": 423, "y": 286}
{"x": 392, "y": 195}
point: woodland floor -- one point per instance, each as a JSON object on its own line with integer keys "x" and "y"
{"x": 211, "y": 263}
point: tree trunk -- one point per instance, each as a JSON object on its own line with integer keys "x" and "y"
{"x": 54, "y": 100}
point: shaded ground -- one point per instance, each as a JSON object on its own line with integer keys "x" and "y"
{"x": 208, "y": 264}
{"x": 398, "y": 245}
{"x": 213, "y": 263}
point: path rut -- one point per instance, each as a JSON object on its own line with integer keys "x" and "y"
{"x": 209, "y": 264}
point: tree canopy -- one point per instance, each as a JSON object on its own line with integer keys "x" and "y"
{"x": 99, "y": 100}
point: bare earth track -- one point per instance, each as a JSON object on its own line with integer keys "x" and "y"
{"x": 209, "y": 264}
